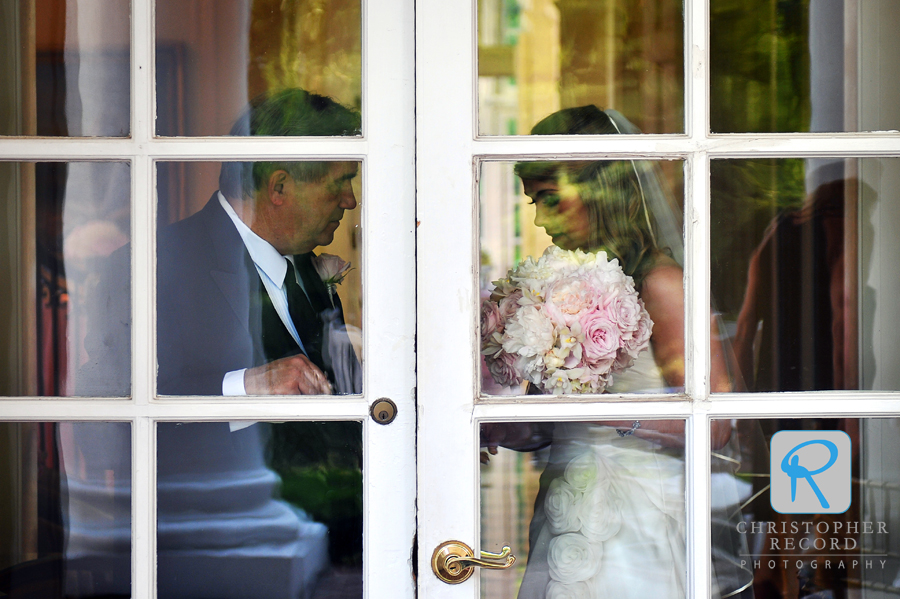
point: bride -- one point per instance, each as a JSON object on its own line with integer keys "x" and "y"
{"x": 610, "y": 515}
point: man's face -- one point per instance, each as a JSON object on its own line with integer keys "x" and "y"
{"x": 313, "y": 210}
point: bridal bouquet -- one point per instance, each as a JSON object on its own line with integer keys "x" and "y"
{"x": 567, "y": 323}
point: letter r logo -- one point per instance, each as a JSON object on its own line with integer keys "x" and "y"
{"x": 810, "y": 472}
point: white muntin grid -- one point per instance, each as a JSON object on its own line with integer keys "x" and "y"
{"x": 387, "y": 202}
{"x": 450, "y": 150}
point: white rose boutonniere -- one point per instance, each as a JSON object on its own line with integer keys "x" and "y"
{"x": 332, "y": 270}
{"x": 572, "y": 558}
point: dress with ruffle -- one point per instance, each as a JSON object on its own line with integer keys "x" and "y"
{"x": 610, "y": 515}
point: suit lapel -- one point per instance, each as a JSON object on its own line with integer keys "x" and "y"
{"x": 231, "y": 267}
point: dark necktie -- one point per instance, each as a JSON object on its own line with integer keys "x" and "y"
{"x": 305, "y": 317}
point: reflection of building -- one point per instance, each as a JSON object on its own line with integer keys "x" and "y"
{"x": 509, "y": 484}
{"x": 538, "y": 56}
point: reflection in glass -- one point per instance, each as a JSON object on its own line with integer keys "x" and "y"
{"x": 267, "y": 511}
{"x": 580, "y": 327}
{"x": 217, "y": 312}
{"x": 65, "y": 509}
{"x": 63, "y": 222}
{"x": 804, "y": 271}
{"x": 65, "y": 67}
{"x": 814, "y": 554}
{"x": 586, "y": 507}
{"x": 214, "y": 56}
{"x": 539, "y": 56}
{"x": 823, "y": 65}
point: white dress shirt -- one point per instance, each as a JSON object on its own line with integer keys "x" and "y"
{"x": 271, "y": 268}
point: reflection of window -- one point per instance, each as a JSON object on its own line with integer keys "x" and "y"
{"x": 537, "y": 57}
{"x": 798, "y": 276}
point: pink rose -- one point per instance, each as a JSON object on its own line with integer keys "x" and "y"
{"x": 491, "y": 321}
{"x": 626, "y": 311}
{"x": 509, "y": 305}
{"x": 601, "y": 337}
{"x": 330, "y": 268}
{"x": 640, "y": 338}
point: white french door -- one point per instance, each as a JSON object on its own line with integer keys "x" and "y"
{"x": 452, "y": 150}
{"x": 386, "y": 237}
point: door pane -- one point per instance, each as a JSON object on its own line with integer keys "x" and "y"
{"x": 537, "y": 57}
{"x": 61, "y": 229}
{"x": 804, "y": 271}
{"x": 828, "y": 65}
{"x": 212, "y": 56}
{"x": 268, "y": 511}
{"x": 65, "y": 67}
{"x": 568, "y": 322}
{"x": 216, "y": 306}
{"x": 792, "y": 535}
{"x": 586, "y": 507}
{"x": 65, "y": 509}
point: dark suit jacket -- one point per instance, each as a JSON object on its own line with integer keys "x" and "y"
{"x": 207, "y": 323}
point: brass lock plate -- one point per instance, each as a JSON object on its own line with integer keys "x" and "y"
{"x": 447, "y": 569}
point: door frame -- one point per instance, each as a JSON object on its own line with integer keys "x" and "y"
{"x": 449, "y": 151}
{"x": 387, "y": 152}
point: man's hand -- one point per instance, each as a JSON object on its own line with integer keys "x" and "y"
{"x": 295, "y": 375}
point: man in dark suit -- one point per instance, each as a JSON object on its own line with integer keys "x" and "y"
{"x": 241, "y": 309}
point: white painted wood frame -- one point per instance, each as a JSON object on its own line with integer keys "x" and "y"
{"x": 448, "y": 154}
{"x": 386, "y": 150}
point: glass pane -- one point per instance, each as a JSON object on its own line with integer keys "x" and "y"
{"x": 269, "y": 511}
{"x": 536, "y": 57}
{"x": 802, "y": 66}
{"x": 788, "y": 521}
{"x": 212, "y": 56}
{"x": 804, "y": 272}
{"x": 65, "y": 67}
{"x": 222, "y": 310}
{"x": 558, "y": 320}
{"x": 586, "y": 507}
{"x": 65, "y": 509}
{"x": 61, "y": 228}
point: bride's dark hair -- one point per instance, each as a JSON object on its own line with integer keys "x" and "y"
{"x": 610, "y": 190}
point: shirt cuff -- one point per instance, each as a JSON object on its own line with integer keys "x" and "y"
{"x": 233, "y": 383}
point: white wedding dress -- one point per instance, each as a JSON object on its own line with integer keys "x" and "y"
{"x": 610, "y": 516}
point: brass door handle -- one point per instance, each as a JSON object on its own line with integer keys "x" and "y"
{"x": 454, "y": 561}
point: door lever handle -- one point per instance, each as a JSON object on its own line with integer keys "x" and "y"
{"x": 454, "y": 562}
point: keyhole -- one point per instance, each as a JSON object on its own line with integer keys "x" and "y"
{"x": 383, "y": 411}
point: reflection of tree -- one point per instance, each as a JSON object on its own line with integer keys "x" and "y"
{"x": 759, "y": 66}
{"x": 320, "y": 464}
{"x": 311, "y": 44}
{"x": 624, "y": 55}
{"x": 746, "y": 196}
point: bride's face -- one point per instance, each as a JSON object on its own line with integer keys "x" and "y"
{"x": 560, "y": 212}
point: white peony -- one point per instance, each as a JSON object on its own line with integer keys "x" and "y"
{"x": 572, "y": 558}
{"x": 529, "y": 333}
{"x": 575, "y": 590}
{"x": 561, "y": 506}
